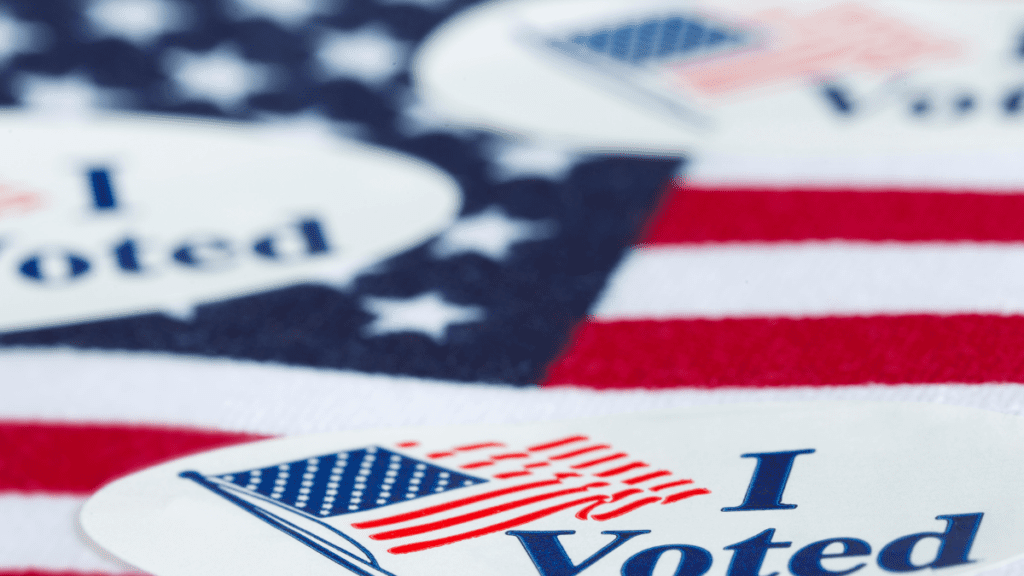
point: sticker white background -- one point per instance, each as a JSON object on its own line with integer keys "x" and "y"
{"x": 878, "y": 472}
{"x": 106, "y": 217}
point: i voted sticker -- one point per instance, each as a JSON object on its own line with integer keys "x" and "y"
{"x": 766, "y": 76}
{"x": 803, "y": 489}
{"x": 101, "y": 218}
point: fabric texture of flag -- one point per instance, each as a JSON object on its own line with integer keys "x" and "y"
{"x": 575, "y": 301}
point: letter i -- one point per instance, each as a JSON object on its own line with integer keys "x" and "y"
{"x": 769, "y": 481}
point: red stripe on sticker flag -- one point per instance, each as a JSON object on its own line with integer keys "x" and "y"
{"x": 732, "y": 214}
{"x": 78, "y": 459}
{"x": 971, "y": 348}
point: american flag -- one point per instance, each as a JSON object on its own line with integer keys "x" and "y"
{"x": 490, "y": 487}
{"x": 754, "y": 280}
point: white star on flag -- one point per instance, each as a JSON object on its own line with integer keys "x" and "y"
{"x": 18, "y": 36}
{"x": 428, "y": 4}
{"x": 523, "y": 159}
{"x": 490, "y": 233}
{"x": 137, "y": 21}
{"x": 72, "y": 94}
{"x": 220, "y": 76}
{"x": 289, "y": 13}
{"x": 428, "y": 313}
{"x": 369, "y": 55}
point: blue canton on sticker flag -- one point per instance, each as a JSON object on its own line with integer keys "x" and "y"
{"x": 350, "y": 481}
{"x": 672, "y": 38}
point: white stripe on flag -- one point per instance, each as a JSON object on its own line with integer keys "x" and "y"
{"x": 155, "y": 390}
{"x": 815, "y": 279}
{"x": 985, "y": 170}
{"x": 39, "y": 532}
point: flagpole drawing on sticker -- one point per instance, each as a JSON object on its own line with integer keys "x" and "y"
{"x": 317, "y": 499}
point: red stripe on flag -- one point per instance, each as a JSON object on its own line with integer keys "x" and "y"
{"x": 478, "y": 514}
{"x": 621, "y": 469}
{"x": 625, "y": 509}
{"x": 685, "y": 495}
{"x": 479, "y": 446}
{"x": 579, "y": 452}
{"x": 406, "y": 548}
{"x": 615, "y": 456}
{"x": 78, "y": 459}
{"x": 670, "y": 485}
{"x": 646, "y": 477}
{"x": 785, "y": 351}
{"x": 505, "y": 475}
{"x": 451, "y": 505}
{"x": 557, "y": 443}
{"x": 734, "y": 214}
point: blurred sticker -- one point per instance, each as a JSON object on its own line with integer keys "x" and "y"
{"x": 101, "y": 218}
{"x": 764, "y": 76}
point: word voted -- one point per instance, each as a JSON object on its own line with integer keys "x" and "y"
{"x": 926, "y": 103}
{"x": 550, "y": 558}
{"x": 765, "y": 492}
{"x": 63, "y": 265}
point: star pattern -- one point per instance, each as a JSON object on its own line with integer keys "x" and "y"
{"x": 428, "y": 314}
{"x": 492, "y": 299}
{"x": 519, "y": 159}
{"x": 68, "y": 95}
{"x": 490, "y": 233}
{"x": 430, "y": 4}
{"x": 220, "y": 76}
{"x": 138, "y": 21}
{"x": 18, "y": 36}
{"x": 289, "y": 13}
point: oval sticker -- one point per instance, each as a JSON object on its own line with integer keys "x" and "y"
{"x": 768, "y": 76}
{"x": 110, "y": 217}
{"x": 743, "y": 490}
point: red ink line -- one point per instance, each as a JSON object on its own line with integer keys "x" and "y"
{"x": 481, "y": 464}
{"x": 536, "y": 465}
{"x": 687, "y": 494}
{"x": 476, "y": 515}
{"x": 440, "y": 454}
{"x": 567, "y": 475}
{"x": 670, "y": 484}
{"x": 510, "y": 455}
{"x": 599, "y": 461}
{"x": 582, "y": 514}
{"x": 452, "y": 505}
{"x": 621, "y": 469}
{"x": 627, "y": 508}
{"x": 504, "y": 475}
{"x": 557, "y": 443}
{"x": 469, "y": 447}
{"x": 416, "y": 547}
{"x": 580, "y": 451}
{"x": 647, "y": 477}
{"x": 409, "y": 444}
{"x": 628, "y": 492}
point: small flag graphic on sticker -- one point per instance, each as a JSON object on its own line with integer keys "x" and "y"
{"x": 498, "y": 487}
